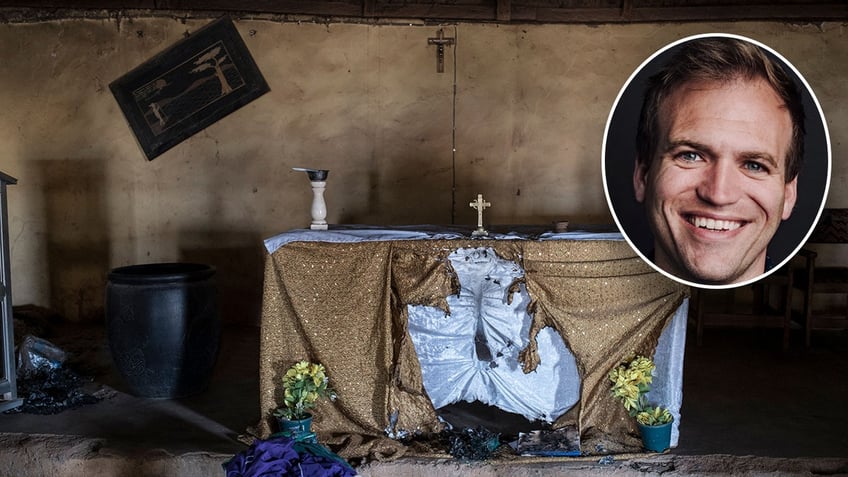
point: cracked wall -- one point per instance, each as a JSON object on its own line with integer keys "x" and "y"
{"x": 518, "y": 115}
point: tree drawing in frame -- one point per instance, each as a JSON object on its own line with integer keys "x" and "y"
{"x": 176, "y": 96}
{"x": 188, "y": 87}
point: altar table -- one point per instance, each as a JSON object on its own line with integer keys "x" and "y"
{"x": 347, "y": 298}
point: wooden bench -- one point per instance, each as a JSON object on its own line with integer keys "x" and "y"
{"x": 758, "y": 314}
{"x": 824, "y": 279}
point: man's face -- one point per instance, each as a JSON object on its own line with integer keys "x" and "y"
{"x": 715, "y": 192}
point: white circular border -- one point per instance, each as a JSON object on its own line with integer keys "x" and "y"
{"x": 604, "y": 159}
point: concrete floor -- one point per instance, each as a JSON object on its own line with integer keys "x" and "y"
{"x": 742, "y": 397}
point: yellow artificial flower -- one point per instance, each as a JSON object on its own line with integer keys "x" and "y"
{"x": 631, "y": 380}
{"x": 304, "y": 383}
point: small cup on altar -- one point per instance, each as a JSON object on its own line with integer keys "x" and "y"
{"x": 317, "y": 175}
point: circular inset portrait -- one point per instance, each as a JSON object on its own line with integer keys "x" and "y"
{"x": 716, "y": 160}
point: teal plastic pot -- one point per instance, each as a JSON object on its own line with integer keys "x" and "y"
{"x": 298, "y": 430}
{"x": 656, "y": 438}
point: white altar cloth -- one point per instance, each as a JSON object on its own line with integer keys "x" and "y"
{"x": 367, "y": 233}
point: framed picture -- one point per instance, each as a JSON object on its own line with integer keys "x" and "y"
{"x": 189, "y": 86}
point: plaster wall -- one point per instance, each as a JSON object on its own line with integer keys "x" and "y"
{"x": 518, "y": 115}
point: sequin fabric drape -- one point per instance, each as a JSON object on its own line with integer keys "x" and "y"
{"x": 344, "y": 305}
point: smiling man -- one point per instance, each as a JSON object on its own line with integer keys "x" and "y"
{"x": 720, "y": 142}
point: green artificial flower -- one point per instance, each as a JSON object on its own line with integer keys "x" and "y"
{"x": 654, "y": 416}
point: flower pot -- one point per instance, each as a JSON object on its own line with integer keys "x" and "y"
{"x": 297, "y": 429}
{"x": 656, "y": 438}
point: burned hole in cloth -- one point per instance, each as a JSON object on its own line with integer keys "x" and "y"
{"x": 472, "y": 354}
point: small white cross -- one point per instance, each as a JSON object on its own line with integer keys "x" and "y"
{"x": 480, "y": 204}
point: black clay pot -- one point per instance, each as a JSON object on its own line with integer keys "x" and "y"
{"x": 163, "y": 327}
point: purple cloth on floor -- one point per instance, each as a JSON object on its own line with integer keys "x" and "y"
{"x": 279, "y": 457}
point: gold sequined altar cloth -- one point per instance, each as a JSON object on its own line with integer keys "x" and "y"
{"x": 345, "y": 305}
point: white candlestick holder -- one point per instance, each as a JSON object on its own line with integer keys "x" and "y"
{"x": 318, "y": 180}
{"x": 319, "y": 207}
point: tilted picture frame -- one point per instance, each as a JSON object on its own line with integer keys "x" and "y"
{"x": 188, "y": 87}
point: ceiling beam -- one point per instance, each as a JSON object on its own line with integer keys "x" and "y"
{"x": 368, "y": 8}
{"x": 504, "y": 11}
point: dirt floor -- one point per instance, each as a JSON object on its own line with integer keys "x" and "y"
{"x": 749, "y": 409}
{"x": 26, "y": 455}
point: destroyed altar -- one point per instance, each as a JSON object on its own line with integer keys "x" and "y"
{"x": 409, "y": 319}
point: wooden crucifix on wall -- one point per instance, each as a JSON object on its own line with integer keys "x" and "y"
{"x": 440, "y": 41}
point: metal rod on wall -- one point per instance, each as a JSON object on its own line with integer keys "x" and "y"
{"x": 453, "y": 130}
